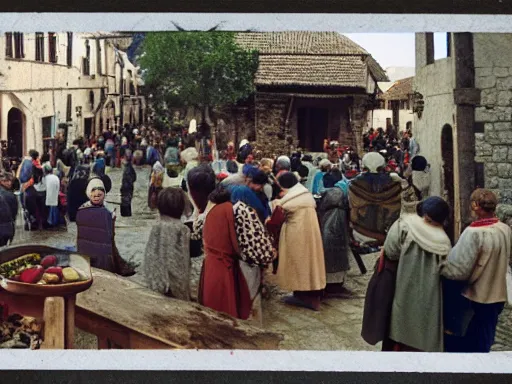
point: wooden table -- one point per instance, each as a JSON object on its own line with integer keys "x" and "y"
{"x": 123, "y": 314}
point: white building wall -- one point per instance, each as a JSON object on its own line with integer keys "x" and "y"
{"x": 41, "y": 89}
{"x": 436, "y": 83}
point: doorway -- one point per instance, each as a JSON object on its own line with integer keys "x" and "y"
{"x": 448, "y": 176}
{"x": 15, "y": 120}
{"x": 87, "y": 127}
{"x": 313, "y": 124}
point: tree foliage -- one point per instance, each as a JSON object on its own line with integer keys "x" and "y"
{"x": 201, "y": 69}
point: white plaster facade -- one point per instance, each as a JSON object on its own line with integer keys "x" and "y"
{"x": 41, "y": 89}
{"x": 436, "y": 83}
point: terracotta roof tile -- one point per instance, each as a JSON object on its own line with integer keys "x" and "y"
{"x": 400, "y": 90}
{"x": 310, "y": 58}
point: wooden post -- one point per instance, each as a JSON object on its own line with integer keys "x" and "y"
{"x": 54, "y": 323}
{"x": 70, "y": 321}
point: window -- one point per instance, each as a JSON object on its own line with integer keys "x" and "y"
{"x": 39, "y": 46}
{"x": 68, "y": 109}
{"x": 19, "y": 52}
{"x": 91, "y": 99}
{"x": 87, "y": 59}
{"x": 52, "y": 47}
{"x": 98, "y": 57}
{"x": 47, "y": 127}
{"x": 8, "y": 44}
{"x": 70, "y": 49}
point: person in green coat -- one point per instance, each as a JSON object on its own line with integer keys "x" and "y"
{"x": 419, "y": 243}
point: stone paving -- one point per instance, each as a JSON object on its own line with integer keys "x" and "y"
{"x": 337, "y": 326}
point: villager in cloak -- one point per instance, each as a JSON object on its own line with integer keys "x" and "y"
{"x": 301, "y": 255}
{"x": 8, "y": 208}
{"x": 230, "y": 233}
{"x": 419, "y": 244}
{"x": 96, "y": 232}
{"x": 77, "y": 195}
{"x": 333, "y": 214}
{"x": 318, "y": 183}
{"x": 190, "y": 157}
{"x": 416, "y": 184}
{"x": 479, "y": 261}
{"x": 128, "y": 180}
{"x": 307, "y": 161}
{"x": 155, "y": 185}
{"x": 167, "y": 258}
{"x": 375, "y": 198}
{"x": 52, "y": 184}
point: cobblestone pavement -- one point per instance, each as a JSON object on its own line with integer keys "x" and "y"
{"x": 337, "y": 326}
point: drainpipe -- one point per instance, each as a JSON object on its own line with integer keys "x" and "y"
{"x": 121, "y": 93}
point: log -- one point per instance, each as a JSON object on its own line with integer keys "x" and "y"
{"x": 126, "y": 310}
{"x": 54, "y": 323}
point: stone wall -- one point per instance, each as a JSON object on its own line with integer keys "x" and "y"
{"x": 493, "y": 76}
{"x": 271, "y": 113}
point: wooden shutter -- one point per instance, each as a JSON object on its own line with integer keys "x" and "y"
{"x": 8, "y": 44}
{"x": 18, "y": 45}
{"x": 52, "y": 47}
{"x": 68, "y": 109}
{"x": 98, "y": 57}
{"x": 39, "y": 46}
{"x": 70, "y": 49}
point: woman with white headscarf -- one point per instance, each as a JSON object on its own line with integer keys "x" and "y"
{"x": 155, "y": 185}
{"x": 96, "y": 232}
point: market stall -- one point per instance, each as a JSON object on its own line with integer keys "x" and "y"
{"x": 38, "y": 285}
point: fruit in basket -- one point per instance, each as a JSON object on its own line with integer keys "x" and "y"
{"x": 49, "y": 261}
{"x": 51, "y": 278}
{"x": 69, "y": 275}
{"x": 11, "y": 268}
{"x": 55, "y": 271}
{"x": 32, "y": 275}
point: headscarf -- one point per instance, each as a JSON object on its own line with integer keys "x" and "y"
{"x": 436, "y": 208}
{"x": 99, "y": 167}
{"x": 192, "y": 127}
{"x": 243, "y": 142}
{"x": 158, "y": 167}
{"x": 93, "y": 185}
{"x": 246, "y": 195}
{"x": 419, "y": 163}
{"x": 373, "y": 161}
{"x": 324, "y": 163}
{"x": 47, "y": 168}
{"x": 188, "y": 155}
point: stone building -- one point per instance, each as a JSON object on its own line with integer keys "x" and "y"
{"x": 463, "y": 116}
{"x": 395, "y": 106}
{"x": 310, "y": 86}
{"x": 49, "y": 80}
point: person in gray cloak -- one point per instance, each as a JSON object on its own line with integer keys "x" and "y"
{"x": 420, "y": 245}
{"x": 333, "y": 214}
{"x": 167, "y": 259}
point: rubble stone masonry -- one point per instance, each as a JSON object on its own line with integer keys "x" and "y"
{"x": 494, "y": 145}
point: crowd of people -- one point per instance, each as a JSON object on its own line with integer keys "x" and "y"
{"x": 294, "y": 216}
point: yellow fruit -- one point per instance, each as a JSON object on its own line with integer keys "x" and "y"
{"x": 69, "y": 275}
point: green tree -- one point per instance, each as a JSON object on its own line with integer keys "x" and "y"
{"x": 199, "y": 69}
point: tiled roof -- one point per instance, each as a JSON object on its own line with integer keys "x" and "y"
{"x": 336, "y": 71}
{"x": 301, "y": 42}
{"x": 310, "y": 58}
{"x": 400, "y": 90}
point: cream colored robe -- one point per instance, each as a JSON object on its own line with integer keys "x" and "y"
{"x": 301, "y": 253}
{"x": 417, "y": 312}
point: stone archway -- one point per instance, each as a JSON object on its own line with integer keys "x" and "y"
{"x": 447, "y": 148}
{"x": 15, "y": 130}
